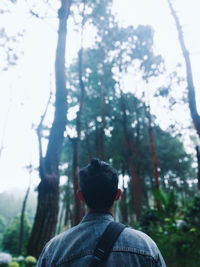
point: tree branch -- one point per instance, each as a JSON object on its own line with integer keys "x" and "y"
{"x": 190, "y": 83}
{"x": 39, "y": 135}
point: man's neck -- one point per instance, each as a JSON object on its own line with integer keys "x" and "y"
{"x": 110, "y": 211}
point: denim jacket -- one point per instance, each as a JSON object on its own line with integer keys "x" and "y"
{"x": 74, "y": 248}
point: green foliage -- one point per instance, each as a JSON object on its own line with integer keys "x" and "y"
{"x": 10, "y": 206}
{"x": 2, "y": 228}
{"x": 10, "y": 240}
{"x": 176, "y": 231}
{"x": 167, "y": 202}
{"x": 14, "y": 264}
{"x": 193, "y": 212}
{"x": 2, "y": 224}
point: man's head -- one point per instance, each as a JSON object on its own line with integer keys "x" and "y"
{"x": 99, "y": 185}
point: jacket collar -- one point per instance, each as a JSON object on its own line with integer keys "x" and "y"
{"x": 97, "y": 216}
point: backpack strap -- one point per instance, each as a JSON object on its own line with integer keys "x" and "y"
{"x": 106, "y": 242}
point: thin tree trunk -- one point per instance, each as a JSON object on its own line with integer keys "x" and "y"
{"x": 154, "y": 157}
{"x": 39, "y": 136}
{"x": 123, "y": 206}
{"x": 97, "y": 139}
{"x": 60, "y": 221}
{"x": 44, "y": 226}
{"x": 198, "y": 162}
{"x": 78, "y": 209}
{"x": 137, "y": 190}
{"x": 21, "y": 231}
{"x": 138, "y": 155}
{"x": 87, "y": 141}
{"x": 68, "y": 216}
{"x": 138, "y": 141}
{"x": 190, "y": 84}
{"x": 103, "y": 122}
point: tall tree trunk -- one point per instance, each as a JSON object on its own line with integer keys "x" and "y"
{"x": 124, "y": 206}
{"x": 154, "y": 157}
{"x": 103, "y": 122}
{"x": 138, "y": 141}
{"x": 87, "y": 142}
{"x": 78, "y": 207}
{"x": 198, "y": 162}
{"x": 137, "y": 190}
{"x": 21, "y": 230}
{"x": 44, "y": 226}
{"x": 60, "y": 219}
{"x": 190, "y": 84}
{"x": 68, "y": 219}
{"x": 97, "y": 139}
{"x": 138, "y": 154}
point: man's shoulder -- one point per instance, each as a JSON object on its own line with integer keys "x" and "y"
{"x": 138, "y": 242}
{"x": 56, "y": 246}
{"x": 62, "y": 236}
{"x": 131, "y": 234}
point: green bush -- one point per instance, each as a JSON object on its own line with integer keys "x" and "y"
{"x": 192, "y": 213}
{"x": 10, "y": 241}
{"x": 14, "y": 264}
{"x": 176, "y": 231}
{"x": 2, "y": 228}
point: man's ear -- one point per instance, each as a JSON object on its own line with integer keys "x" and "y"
{"x": 80, "y": 195}
{"x": 118, "y": 195}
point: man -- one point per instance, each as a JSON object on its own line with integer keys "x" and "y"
{"x": 99, "y": 189}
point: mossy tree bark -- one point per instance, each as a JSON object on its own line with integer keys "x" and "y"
{"x": 44, "y": 226}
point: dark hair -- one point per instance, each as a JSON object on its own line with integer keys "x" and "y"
{"x": 99, "y": 183}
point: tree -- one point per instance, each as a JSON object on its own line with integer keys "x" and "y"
{"x": 114, "y": 52}
{"x": 136, "y": 182}
{"x": 153, "y": 152}
{"x": 48, "y": 190}
{"x": 23, "y": 212}
{"x": 198, "y": 163}
{"x": 189, "y": 75}
{"x": 174, "y": 163}
{"x": 78, "y": 207}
